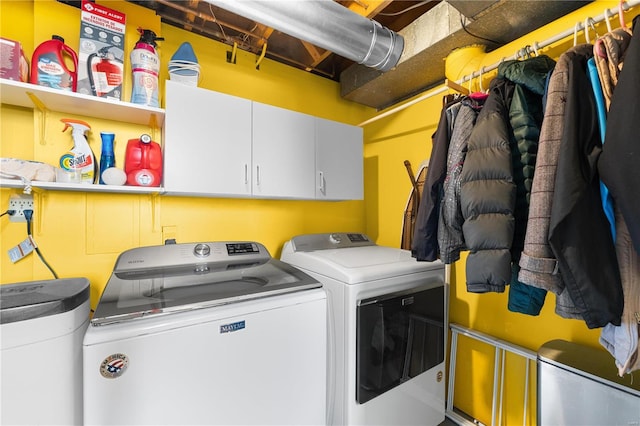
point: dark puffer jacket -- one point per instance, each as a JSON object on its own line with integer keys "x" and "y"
{"x": 487, "y": 194}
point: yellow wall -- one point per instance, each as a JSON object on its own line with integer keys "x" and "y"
{"x": 406, "y": 135}
{"x": 82, "y": 234}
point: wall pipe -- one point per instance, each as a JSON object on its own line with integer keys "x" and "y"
{"x": 326, "y": 24}
{"x": 558, "y": 37}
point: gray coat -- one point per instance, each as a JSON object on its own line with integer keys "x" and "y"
{"x": 538, "y": 265}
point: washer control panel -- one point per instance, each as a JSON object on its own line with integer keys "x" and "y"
{"x": 312, "y": 242}
{"x": 177, "y": 255}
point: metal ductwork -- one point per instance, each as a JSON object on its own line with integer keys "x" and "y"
{"x": 325, "y": 24}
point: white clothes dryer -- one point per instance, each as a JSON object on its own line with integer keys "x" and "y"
{"x": 387, "y": 328}
{"x": 208, "y": 333}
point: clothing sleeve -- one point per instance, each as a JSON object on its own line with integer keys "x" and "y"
{"x": 450, "y": 236}
{"x": 424, "y": 246}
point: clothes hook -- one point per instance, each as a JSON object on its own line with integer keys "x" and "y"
{"x": 623, "y": 25}
{"x": 575, "y": 33}
{"x": 607, "y": 17}
{"x": 535, "y": 48}
{"x": 529, "y": 51}
{"x": 480, "y": 79}
{"x": 470, "y": 80}
{"x": 586, "y": 31}
{"x": 589, "y": 22}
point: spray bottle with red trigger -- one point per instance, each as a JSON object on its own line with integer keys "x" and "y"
{"x": 145, "y": 66}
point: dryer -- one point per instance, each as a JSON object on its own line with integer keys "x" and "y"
{"x": 387, "y": 328}
{"x": 206, "y": 333}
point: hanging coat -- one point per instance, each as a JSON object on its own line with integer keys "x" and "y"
{"x": 424, "y": 246}
{"x": 579, "y": 233}
{"x": 538, "y": 265}
{"x": 525, "y": 118}
{"x": 450, "y": 236}
{"x": 487, "y": 194}
{"x": 618, "y": 165}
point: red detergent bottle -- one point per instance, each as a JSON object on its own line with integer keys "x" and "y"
{"x": 143, "y": 162}
{"x": 49, "y": 65}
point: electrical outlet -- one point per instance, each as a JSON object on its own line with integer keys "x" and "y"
{"x": 20, "y": 203}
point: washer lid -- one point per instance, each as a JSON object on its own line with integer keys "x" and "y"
{"x": 353, "y": 265}
{"x": 36, "y": 299}
{"x": 218, "y": 273}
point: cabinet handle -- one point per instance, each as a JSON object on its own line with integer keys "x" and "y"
{"x": 321, "y": 177}
{"x": 257, "y": 175}
{"x": 246, "y": 174}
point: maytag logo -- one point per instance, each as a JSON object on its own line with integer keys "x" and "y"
{"x": 234, "y": 326}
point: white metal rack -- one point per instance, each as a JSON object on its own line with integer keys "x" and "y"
{"x": 501, "y": 348}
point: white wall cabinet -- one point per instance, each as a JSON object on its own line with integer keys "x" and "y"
{"x": 339, "y": 161}
{"x": 207, "y": 142}
{"x": 283, "y": 153}
{"x": 222, "y": 145}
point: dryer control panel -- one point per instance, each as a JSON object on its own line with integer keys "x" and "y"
{"x": 334, "y": 240}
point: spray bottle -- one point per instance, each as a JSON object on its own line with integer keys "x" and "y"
{"x": 145, "y": 66}
{"x": 80, "y": 158}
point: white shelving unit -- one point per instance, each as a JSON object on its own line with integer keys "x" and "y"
{"x": 46, "y": 99}
{"x": 32, "y": 96}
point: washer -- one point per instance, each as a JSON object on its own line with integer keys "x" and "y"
{"x": 387, "y": 323}
{"x": 42, "y": 324}
{"x": 206, "y": 333}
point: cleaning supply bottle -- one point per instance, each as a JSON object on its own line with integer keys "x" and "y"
{"x": 145, "y": 66}
{"x": 49, "y": 65}
{"x": 80, "y": 158}
{"x": 143, "y": 162}
{"x": 107, "y": 157}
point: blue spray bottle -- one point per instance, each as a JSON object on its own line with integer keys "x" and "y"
{"x": 107, "y": 157}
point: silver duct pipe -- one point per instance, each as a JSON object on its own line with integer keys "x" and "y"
{"x": 325, "y": 24}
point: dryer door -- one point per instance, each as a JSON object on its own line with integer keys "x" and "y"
{"x": 399, "y": 336}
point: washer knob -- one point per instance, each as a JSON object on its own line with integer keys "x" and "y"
{"x": 202, "y": 250}
{"x": 335, "y": 238}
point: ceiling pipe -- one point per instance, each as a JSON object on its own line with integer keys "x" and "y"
{"x": 325, "y": 24}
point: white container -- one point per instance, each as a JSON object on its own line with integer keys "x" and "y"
{"x": 42, "y": 325}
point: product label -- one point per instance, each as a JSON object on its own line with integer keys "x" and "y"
{"x": 49, "y": 67}
{"x": 82, "y": 163}
{"x": 101, "y": 53}
{"x": 22, "y": 250}
{"x": 114, "y": 366}
{"x": 52, "y": 74}
{"x": 234, "y": 326}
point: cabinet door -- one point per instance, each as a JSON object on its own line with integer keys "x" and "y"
{"x": 207, "y": 142}
{"x": 339, "y": 161}
{"x": 283, "y": 153}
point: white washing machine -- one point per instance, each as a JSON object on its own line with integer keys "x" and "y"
{"x": 387, "y": 323}
{"x": 206, "y": 333}
{"x": 42, "y": 326}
